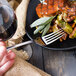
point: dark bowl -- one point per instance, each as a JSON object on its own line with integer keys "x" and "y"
{"x": 31, "y": 17}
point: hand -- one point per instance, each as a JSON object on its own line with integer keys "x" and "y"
{"x": 6, "y": 59}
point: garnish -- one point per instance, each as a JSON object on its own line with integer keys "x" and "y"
{"x": 42, "y": 24}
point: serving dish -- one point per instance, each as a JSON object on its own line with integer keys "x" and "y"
{"x": 31, "y": 17}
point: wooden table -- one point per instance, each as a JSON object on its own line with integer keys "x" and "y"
{"x": 56, "y": 63}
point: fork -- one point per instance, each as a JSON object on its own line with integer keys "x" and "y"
{"x": 52, "y": 37}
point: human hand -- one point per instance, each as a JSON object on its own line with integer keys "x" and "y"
{"x": 6, "y": 59}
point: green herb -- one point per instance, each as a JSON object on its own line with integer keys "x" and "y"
{"x": 42, "y": 21}
{"x": 39, "y": 22}
{"x": 49, "y": 21}
{"x": 46, "y": 29}
{"x": 42, "y": 24}
{"x": 38, "y": 29}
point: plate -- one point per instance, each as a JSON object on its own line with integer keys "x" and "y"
{"x": 32, "y": 16}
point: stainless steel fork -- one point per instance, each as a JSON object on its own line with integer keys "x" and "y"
{"x": 52, "y": 37}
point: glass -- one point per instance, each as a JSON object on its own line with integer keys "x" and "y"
{"x": 8, "y": 23}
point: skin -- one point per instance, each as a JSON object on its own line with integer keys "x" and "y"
{"x": 6, "y": 59}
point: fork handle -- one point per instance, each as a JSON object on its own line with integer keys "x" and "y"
{"x": 18, "y": 45}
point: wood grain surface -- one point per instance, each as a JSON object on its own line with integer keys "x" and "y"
{"x": 56, "y": 63}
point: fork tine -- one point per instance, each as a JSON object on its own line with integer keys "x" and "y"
{"x": 54, "y": 40}
{"x": 53, "y": 35}
{"x": 50, "y": 38}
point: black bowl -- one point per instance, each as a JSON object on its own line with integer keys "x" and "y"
{"x": 32, "y": 16}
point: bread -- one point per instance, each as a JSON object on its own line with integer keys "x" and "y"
{"x": 14, "y": 4}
